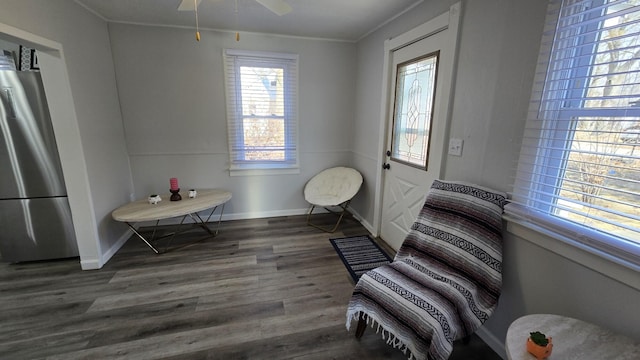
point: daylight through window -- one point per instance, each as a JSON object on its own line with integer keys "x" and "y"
{"x": 579, "y": 169}
{"x": 261, "y": 109}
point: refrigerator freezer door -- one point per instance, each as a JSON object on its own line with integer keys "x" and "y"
{"x": 28, "y": 151}
{"x": 36, "y": 229}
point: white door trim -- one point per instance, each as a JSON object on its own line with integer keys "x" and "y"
{"x": 449, "y": 20}
{"x": 65, "y": 126}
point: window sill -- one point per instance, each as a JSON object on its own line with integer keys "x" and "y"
{"x": 249, "y": 171}
{"x": 590, "y": 257}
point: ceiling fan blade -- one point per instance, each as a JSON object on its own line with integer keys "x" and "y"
{"x": 277, "y": 6}
{"x": 188, "y": 5}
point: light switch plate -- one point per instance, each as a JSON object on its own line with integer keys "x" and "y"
{"x": 455, "y": 147}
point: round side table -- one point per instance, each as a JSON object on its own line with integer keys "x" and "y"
{"x": 572, "y": 339}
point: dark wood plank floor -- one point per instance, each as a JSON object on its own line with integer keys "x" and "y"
{"x": 262, "y": 289}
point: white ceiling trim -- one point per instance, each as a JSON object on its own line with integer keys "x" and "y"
{"x": 193, "y": 28}
{"x": 309, "y": 19}
{"x": 91, "y": 10}
{"x": 388, "y": 21}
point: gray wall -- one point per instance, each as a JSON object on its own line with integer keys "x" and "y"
{"x": 498, "y": 49}
{"x": 87, "y": 52}
{"x": 171, "y": 93}
{"x": 173, "y": 105}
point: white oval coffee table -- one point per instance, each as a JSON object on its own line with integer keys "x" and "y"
{"x": 573, "y": 339}
{"x": 141, "y": 210}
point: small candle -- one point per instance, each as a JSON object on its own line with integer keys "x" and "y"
{"x": 174, "y": 183}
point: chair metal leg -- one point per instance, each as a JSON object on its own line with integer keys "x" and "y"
{"x": 343, "y": 206}
{"x": 362, "y": 326}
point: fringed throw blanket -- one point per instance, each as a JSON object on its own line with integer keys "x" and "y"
{"x": 445, "y": 280}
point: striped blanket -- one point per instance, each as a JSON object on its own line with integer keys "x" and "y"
{"x": 445, "y": 280}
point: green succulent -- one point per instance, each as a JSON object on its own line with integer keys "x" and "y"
{"x": 539, "y": 338}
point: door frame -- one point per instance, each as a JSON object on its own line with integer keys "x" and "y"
{"x": 450, "y": 21}
{"x": 57, "y": 86}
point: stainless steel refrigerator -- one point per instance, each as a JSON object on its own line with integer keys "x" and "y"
{"x": 35, "y": 218}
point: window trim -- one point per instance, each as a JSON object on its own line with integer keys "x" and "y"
{"x": 250, "y": 168}
{"x": 610, "y": 247}
{"x": 535, "y": 232}
{"x": 608, "y": 253}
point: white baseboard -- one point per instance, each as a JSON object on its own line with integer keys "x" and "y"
{"x": 234, "y": 216}
{"x": 91, "y": 264}
{"x": 96, "y": 264}
{"x": 264, "y": 214}
{"x": 360, "y": 219}
{"x": 115, "y": 247}
{"x": 494, "y": 343}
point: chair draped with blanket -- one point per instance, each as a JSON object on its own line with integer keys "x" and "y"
{"x": 446, "y": 278}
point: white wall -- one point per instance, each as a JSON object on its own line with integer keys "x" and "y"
{"x": 173, "y": 104}
{"x": 105, "y": 171}
{"x": 498, "y": 50}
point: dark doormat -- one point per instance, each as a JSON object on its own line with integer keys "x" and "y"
{"x": 359, "y": 254}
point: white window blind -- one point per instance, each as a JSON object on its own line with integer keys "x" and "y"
{"x": 262, "y": 109}
{"x": 579, "y": 167}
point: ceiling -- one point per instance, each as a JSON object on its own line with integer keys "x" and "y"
{"x": 347, "y": 20}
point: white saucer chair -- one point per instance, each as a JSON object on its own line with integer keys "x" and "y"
{"x": 331, "y": 188}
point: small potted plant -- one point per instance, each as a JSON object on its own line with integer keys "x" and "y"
{"x": 539, "y": 345}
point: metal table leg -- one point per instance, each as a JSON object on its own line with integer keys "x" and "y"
{"x": 203, "y": 223}
{"x": 197, "y": 220}
{"x": 143, "y": 239}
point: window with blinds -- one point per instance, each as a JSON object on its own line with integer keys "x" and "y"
{"x": 579, "y": 167}
{"x": 261, "y": 110}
